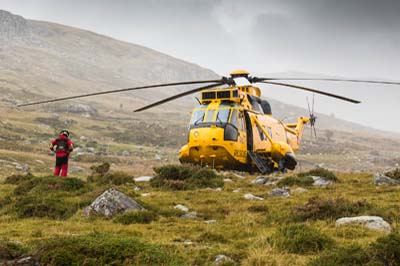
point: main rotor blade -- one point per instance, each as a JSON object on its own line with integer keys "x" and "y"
{"x": 332, "y": 79}
{"x": 121, "y": 90}
{"x": 312, "y": 90}
{"x": 179, "y": 96}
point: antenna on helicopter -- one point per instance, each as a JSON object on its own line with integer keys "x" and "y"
{"x": 313, "y": 118}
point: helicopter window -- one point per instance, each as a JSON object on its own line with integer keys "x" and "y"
{"x": 269, "y": 130}
{"x": 210, "y": 116}
{"x": 223, "y": 116}
{"x": 234, "y": 120}
{"x": 197, "y": 117}
{"x": 241, "y": 122}
{"x": 255, "y": 102}
{"x": 262, "y": 135}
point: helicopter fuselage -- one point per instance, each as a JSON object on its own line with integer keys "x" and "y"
{"x": 230, "y": 130}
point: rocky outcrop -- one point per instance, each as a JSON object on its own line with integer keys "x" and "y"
{"x": 380, "y": 179}
{"x": 370, "y": 222}
{"x": 110, "y": 203}
{"x": 13, "y": 27}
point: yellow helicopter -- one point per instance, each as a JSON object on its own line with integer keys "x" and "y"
{"x": 233, "y": 128}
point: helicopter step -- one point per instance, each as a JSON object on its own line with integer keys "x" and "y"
{"x": 261, "y": 164}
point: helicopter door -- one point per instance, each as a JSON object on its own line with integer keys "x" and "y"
{"x": 237, "y": 119}
{"x": 249, "y": 131}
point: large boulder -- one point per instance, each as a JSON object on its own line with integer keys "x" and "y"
{"x": 111, "y": 203}
{"x": 370, "y": 222}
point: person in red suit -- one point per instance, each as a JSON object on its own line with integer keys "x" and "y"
{"x": 62, "y": 146}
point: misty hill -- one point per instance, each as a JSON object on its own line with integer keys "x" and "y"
{"x": 50, "y": 59}
{"x": 41, "y": 59}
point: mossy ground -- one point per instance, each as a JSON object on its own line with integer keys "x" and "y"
{"x": 242, "y": 229}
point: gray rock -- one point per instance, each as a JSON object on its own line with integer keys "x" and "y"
{"x": 23, "y": 261}
{"x": 380, "y": 179}
{"x": 220, "y": 259}
{"x": 228, "y": 180}
{"x": 19, "y": 167}
{"x": 237, "y": 190}
{"x": 260, "y": 180}
{"x": 76, "y": 168}
{"x": 110, "y": 203}
{"x": 143, "y": 179}
{"x": 190, "y": 215}
{"x": 370, "y": 222}
{"x": 157, "y": 157}
{"x": 238, "y": 176}
{"x": 320, "y": 181}
{"x": 125, "y": 153}
{"x": 210, "y": 221}
{"x": 280, "y": 192}
{"x": 252, "y": 197}
{"x": 182, "y": 208}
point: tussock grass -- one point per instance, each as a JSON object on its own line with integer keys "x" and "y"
{"x": 383, "y": 252}
{"x": 103, "y": 249}
{"x": 45, "y": 206}
{"x": 11, "y": 250}
{"x": 17, "y": 178}
{"x": 300, "y": 239}
{"x": 101, "y": 176}
{"x": 330, "y": 208}
{"x": 295, "y": 181}
{"x": 322, "y": 172}
{"x": 181, "y": 177}
{"x": 133, "y": 217}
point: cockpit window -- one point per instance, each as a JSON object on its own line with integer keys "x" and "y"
{"x": 222, "y": 116}
{"x": 197, "y": 117}
{"x": 210, "y": 116}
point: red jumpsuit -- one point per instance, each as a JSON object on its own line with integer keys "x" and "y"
{"x": 62, "y": 146}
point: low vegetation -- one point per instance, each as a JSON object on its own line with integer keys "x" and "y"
{"x": 11, "y": 250}
{"x": 321, "y": 172}
{"x": 181, "y": 177}
{"x": 300, "y": 239}
{"x": 136, "y": 217}
{"x": 330, "y": 208}
{"x": 295, "y": 231}
{"x": 295, "y": 181}
{"x": 383, "y": 252}
{"x": 101, "y": 176}
{"x": 103, "y": 249}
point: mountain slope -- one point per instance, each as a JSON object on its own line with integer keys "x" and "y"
{"x": 46, "y": 60}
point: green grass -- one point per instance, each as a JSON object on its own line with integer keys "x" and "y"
{"x": 136, "y": 217}
{"x": 103, "y": 249}
{"x": 181, "y": 177}
{"x": 300, "y": 239}
{"x": 322, "y": 172}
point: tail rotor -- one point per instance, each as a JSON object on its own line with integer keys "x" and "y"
{"x": 313, "y": 118}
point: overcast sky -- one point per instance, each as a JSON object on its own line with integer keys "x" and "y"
{"x": 349, "y": 38}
